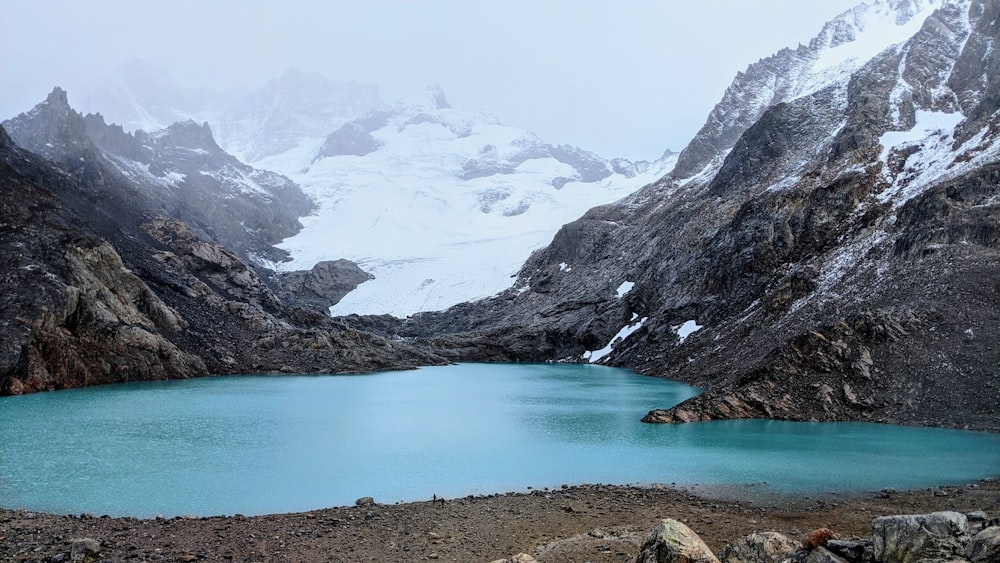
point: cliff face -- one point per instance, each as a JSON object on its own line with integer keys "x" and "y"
{"x": 73, "y": 314}
{"x": 837, "y": 261}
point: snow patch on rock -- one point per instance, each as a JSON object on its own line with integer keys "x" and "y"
{"x": 594, "y": 356}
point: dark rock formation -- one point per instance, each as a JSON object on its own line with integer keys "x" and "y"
{"x": 766, "y": 83}
{"x": 351, "y": 139}
{"x": 323, "y": 286}
{"x": 180, "y": 175}
{"x": 181, "y": 172}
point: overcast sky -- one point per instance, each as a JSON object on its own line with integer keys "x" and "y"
{"x": 622, "y": 78}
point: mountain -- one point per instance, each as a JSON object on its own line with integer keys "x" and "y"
{"x": 289, "y": 109}
{"x": 180, "y": 170}
{"x": 826, "y": 248}
{"x": 842, "y": 47}
{"x": 441, "y": 205}
{"x": 102, "y": 285}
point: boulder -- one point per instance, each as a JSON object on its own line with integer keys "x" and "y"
{"x": 985, "y": 546}
{"x": 673, "y": 542}
{"x": 823, "y": 555}
{"x": 977, "y": 520}
{"x": 850, "y": 550}
{"x": 764, "y": 547}
{"x": 84, "y": 549}
{"x": 938, "y": 536}
{"x": 365, "y": 501}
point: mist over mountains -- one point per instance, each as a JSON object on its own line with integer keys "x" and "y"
{"x": 440, "y": 205}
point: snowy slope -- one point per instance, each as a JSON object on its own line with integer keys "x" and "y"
{"x": 841, "y": 48}
{"x": 448, "y": 206}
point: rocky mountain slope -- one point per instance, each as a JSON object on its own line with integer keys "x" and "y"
{"x": 827, "y": 248}
{"x": 180, "y": 170}
{"x": 102, "y": 284}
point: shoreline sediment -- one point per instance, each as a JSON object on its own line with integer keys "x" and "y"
{"x": 584, "y": 522}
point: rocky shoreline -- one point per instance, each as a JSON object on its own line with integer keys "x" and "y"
{"x": 598, "y": 523}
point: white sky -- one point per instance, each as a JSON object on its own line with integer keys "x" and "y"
{"x": 622, "y": 78}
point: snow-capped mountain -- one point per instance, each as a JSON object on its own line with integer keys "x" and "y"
{"x": 843, "y": 45}
{"x": 295, "y": 106}
{"x": 823, "y": 250}
{"x": 441, "y": 205}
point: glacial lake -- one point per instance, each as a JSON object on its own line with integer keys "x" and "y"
{"x": 256, "y": 445}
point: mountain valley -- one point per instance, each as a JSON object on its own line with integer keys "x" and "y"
{"x": 827, "y": 247}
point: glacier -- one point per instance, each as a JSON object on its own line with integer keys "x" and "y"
{"x": 446, "y": 209}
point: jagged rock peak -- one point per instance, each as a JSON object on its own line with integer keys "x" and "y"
{"x": 436, "y": 95}
{"x": 52, "y": 128}
{"x": 841, "y": 47}
{"x": 190, "y": 134}
{"x": 56, "y": 105}
{"x": 57, "y": 97}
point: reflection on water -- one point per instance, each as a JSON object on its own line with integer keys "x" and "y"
{"x": 273, "y": 444}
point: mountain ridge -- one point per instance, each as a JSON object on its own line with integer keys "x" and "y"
{"x": 839, "y": 244}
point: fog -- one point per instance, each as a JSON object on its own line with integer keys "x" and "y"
{"x": 619, "y": 78}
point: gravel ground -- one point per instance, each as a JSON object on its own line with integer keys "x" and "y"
{"x": 595, "y": 523}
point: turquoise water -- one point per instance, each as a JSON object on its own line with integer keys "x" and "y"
{"x": 256, "y": 445}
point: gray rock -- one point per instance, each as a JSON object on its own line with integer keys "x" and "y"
{"x": 764, "y": 547}
{"x": 920, "y": 537}
{"x": 323, "y": 286}
{"x": 84, "y": 549}
{"x": 851, "y": 550}
{"x": 365, "y": 501}
{"x": 186, "y": 174}
{"x": 519, "y": 558}
{"x": 673, "y": 542}
{"x": 977, "y": 520}
{"x": 985, "y": 546}
{"x": 823, "y": 555}
{"x": 350, "y": 139}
